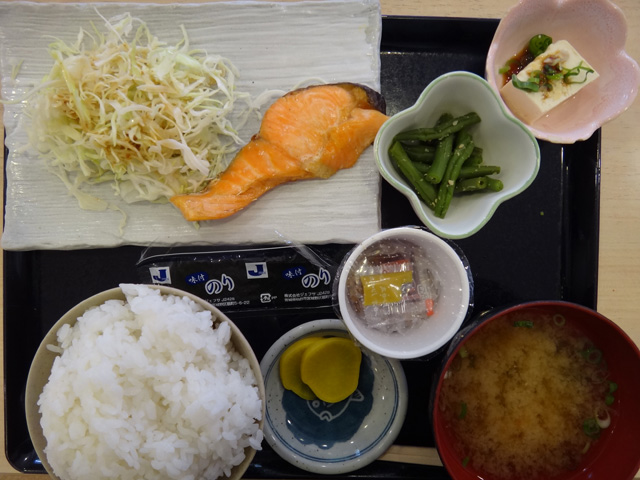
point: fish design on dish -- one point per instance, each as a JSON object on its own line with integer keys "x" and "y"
{"x": 328, "y": 412}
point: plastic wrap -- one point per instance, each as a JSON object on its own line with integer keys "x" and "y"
{"x": 275, "y": 278}
{"x": 392, "y": 287}
{"x": 392, "y": 284}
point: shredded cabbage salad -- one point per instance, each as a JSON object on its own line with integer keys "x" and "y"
{"x": 123, "y": 107}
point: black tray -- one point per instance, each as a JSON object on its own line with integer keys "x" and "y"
{"x": 541, "y": 245}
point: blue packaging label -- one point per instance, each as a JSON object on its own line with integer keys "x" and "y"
{"x": 251, "y": 279}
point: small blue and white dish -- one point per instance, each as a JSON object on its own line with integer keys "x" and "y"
{"x": 334, "y": 438}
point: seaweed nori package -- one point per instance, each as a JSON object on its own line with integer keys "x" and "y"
{"x": 249, "y": 279}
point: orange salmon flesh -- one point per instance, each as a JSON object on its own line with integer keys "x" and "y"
{"x": 308, "y": 133}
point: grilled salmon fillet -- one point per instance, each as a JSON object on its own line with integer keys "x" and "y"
{"x": 308, "y": 133}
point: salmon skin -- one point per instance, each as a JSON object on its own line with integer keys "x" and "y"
{"x": 308, "y": 133}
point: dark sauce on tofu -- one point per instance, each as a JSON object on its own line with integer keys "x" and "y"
{"x": 537, "y": 45}
{"x": 516, "y": 64}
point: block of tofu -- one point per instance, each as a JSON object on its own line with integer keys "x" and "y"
{"x": 528, "y": 105}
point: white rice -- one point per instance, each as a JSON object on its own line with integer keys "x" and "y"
{"x": 148, "y": 389}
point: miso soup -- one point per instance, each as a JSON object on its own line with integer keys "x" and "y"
{"x": 526, "y": 397}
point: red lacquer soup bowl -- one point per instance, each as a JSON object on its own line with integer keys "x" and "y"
{"x": 612, "y": 437}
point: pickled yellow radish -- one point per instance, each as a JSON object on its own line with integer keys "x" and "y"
{"x": 290, "y": 368}
{"x": 331, "y": 368}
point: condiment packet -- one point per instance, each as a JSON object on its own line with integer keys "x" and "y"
{"x": 391, "y": 287}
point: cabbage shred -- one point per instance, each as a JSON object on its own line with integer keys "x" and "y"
{"x": 123, "y": 107}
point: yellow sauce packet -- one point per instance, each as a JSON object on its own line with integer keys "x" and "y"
{"x": 384, "y": 288}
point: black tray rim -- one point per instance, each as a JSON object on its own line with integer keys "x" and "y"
{"x": 574, "y": 272}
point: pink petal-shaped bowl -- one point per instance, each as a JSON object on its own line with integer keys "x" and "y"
{"x": 598, "y": 30}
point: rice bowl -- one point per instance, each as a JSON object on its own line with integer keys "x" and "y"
{"x": 142, "y": 386}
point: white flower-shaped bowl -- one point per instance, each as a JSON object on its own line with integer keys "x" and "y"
{"x": 505, "y": 140}
{"x": 597, "y": 29}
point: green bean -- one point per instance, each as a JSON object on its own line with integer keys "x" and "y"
{"x": 478, "y": 170}
{"x": 464, "y": 147}
{"x": 444, "y": 119}
{"x": 471, "y": 184}
{"x": 443, "y": 154}
{"x": 450, "y": 127}
{"x": 422, "y": 167}
{"x": 442, "y": 160}
{"x": 425, "y": 190}
{"x": 420, "y": 153}
{"x": 475, "y": 158}
{"x": 439, "y": 165}
{"x": 494, "y": 184}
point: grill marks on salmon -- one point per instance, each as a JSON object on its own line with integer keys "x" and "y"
{"x": 308, "y": 133}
